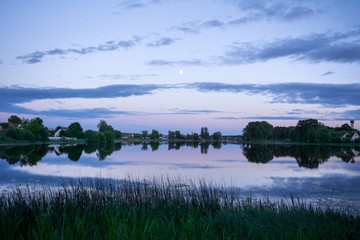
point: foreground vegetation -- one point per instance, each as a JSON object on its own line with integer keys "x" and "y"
{"x": 162, "y": 209}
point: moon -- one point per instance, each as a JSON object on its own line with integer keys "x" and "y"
{"x": 181, "y": 72}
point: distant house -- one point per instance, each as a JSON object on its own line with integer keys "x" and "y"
{"x": 350, "y": 135}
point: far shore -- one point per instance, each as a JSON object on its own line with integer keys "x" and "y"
{"x": 225, "y": 141}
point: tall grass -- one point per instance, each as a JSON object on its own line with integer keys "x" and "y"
{"x": 162, "y": 209}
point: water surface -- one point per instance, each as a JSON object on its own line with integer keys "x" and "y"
{"x": 309, "y": 172}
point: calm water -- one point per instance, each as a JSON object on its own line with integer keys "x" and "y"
{"x": 330, "y": 175}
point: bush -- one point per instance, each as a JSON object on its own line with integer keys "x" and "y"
{"x": 29, "y": 136}
{"x": 109, "y": 137}
{"x": 14, "y": 133}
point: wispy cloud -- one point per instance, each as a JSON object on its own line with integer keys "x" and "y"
{"x": 11, "y": 96}
{"x": 164, "y": 41}
{"x": 192, "y": 62}
{"x": 327, "y": 73}
{"x": 332, "y": 95}
{"x": 192, "y": 111}
{"x": 272, "y": 10}
{"x": 38, "y": 56}
{"x": 253, "y": 11}
{"x": 328, "y": 95}
{"x": 330, "y": 47}
{"x": 136, "y": 4}
{"x": 348, "y": 115}
{"x": 121, "y": 76}
{"x": 213, "y": 24}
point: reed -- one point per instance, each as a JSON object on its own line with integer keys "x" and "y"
{"x": 162, "y": 209}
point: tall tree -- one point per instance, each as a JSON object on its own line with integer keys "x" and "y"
{"x": 103, "y": 126}
{"x": 258, "y": 129}
{"x": 154, "y": 134}
{"x": 14, "y": 119}
{"x": 75, "y": 131}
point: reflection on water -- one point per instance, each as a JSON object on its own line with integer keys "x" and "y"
{"x": 305, "y": 156}
{"x": 310, "y": 172}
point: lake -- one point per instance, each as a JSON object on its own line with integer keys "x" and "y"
{"x": 329, "y": 175}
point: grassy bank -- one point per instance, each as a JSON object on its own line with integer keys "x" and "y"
{"x": 161, "y": 209}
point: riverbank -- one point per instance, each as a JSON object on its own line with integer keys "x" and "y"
{"x": 138, "y": 140}
{"x": 284, "y": 142}
{"x": 162, "y": 209}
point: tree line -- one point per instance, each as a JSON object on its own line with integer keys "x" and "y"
{"x": 309, "y": 130}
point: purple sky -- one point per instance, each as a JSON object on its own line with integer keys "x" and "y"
{"x": 180, "y": 65}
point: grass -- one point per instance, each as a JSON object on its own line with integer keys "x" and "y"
{"x": 162, "y": 209}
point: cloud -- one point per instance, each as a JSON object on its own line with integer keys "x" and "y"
{"x": 347, "y": 115}
{"x": 196, "y": 26}
{"x": 82, "y": 113}
{"x": 327, "y": 73}
{"x": 332, "y": 95}
{"x": 10, "y": 96}
{"x": 213, "y": 23}
{"x": 38, "y": 56}
{"x": 328, "y": 47}
{"x": 164, "y": 41}
{"x": 272, "y": 10}
{"x": 253, "y": 11}
{"x": 160, "y": 62}
{"x": 121, "y": 76}
{"x": 191, "y": 112}
{"x": 136, "y": 4}
{"x": 328, "y": 95}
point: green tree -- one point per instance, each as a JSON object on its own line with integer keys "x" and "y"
{"x": 14, "y": 133}
{"x": 263, "y": 130}
{"x": 171, "y": 135}
{"x": 75, "y": 131}
{"x": 217, "y": 136}
{"x": 14, "y": 119}
{"x": 144, "y": 134}
{"x": 102, "y": 140}
{"x": 109, "y": 137}
{"x": 117, "y": 134}
{"x": 154, "y": 134}
{"x": 103, "y": 126}
{"x": 91, "y": 136}
{"x": 204, "y": 133}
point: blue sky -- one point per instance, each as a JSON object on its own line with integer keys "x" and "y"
{"x": 169, "y": 64}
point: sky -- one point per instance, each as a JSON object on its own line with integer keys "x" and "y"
{"x": 180, "y": 64}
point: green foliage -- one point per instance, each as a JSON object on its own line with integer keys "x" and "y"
{"x": 91, "y": 137}
{"x": 101, "y": 209}
{"x": 154, "y": 134}
{"x": 104, "y": 127}
{"x": 74, "y": 131}
{"x": 102, "y": 140}
{"x": 14, "y": 133}
{"x": 217, "y": 136}
{"x": 14, "y": 119}
{"x": 144, "y": 134}
{"x": 171, "y": 135}
{"x": 204, "y": 133}
{"x": 28, "y": 136}
{"x": 196, "y": 136}
{"x": 109, "y": 136}
{"x": 258, "y": 130}
{"x": 117, "y": 134}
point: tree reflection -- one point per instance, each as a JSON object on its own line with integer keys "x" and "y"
{"x": 258, "y": 153}
{"x": 74, "y": 152}
{"x": 27, "y": 155}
